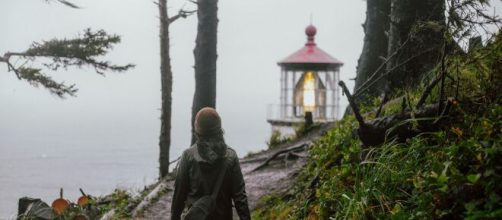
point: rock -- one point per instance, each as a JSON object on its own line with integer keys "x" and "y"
{"x": 33, "y": 208}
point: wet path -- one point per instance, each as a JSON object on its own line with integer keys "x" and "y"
{"x": 276, "y": 177}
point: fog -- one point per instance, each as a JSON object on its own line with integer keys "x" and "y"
{"x": 122, "y": 109}
{"x": 107, "y": 136}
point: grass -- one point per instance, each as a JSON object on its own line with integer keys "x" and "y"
{"x": 453, "y": 173}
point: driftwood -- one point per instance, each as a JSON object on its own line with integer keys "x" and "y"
{"x": 276, "y": 154}
{"x": 402, "y": 125}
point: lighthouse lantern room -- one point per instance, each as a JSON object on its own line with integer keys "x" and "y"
{"x": 309, "y": 80}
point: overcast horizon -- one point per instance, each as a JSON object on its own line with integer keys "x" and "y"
{"x": 121, "y": 108}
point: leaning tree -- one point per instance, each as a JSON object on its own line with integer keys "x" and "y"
{"x": 85, "y": 50}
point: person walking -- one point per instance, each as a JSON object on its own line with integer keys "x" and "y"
{"x": 209, "y": 176}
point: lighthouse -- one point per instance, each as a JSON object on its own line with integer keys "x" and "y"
{"x": 308, "y": 86}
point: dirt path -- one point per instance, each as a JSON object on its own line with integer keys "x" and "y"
{"x": 276, "y": 177}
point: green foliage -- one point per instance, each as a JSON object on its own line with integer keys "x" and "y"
{"x": 466, "y": 18}
{"x": 302, "y": 129}
{"x": 36, "y": 78}
{"x": 277, "y": 139}
{"x": 279, "y": 208}
{"x": 453, "y": 173}
{"x": 120, "y": 201}
{"x": 443, "y": 174}
{"x": 82, "y": 51}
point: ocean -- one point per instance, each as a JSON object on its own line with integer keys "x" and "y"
{"x": 40, "y": 172}
{"x": 40, "y": 169}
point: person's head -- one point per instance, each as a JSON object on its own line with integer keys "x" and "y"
{"x": 209, "y": 134}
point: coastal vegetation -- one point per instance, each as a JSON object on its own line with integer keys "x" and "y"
{"x": 421, "y": 139}
{"x": 451, "y": 172}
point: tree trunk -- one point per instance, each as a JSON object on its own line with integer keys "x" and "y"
{"x": 166, "y": 89}
{"x": 205, "y": 57}
{"x": 375, "y": 46}
{"x": 416, "y": 38}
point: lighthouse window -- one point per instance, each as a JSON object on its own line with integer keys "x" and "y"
{"x": 309, "y": 92}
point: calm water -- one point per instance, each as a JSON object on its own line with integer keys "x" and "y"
{"x": 40, "y": 172}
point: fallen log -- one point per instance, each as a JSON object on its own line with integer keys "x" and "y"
{"x": 402, "y": 125}
{"x": 276, "y": 154}
{"x": 252, "y": 160}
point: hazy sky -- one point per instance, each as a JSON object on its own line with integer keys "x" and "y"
{"x": 122, "y": 110}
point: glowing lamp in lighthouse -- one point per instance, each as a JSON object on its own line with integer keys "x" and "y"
{"x": 309, "y": 92}
{"x": 308, "y": 83}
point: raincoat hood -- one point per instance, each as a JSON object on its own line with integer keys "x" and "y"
{"x": 210, "y": 154}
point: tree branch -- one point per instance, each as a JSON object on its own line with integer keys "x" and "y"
{"x": 353, "y": 104}
{"x": 363, "y": 89}
{"x": 193, "y": 1}
{"x": 386, "y": 60}
{"x": 290, "y": 149}
{"x": 11, "y": 67}
{"x": 384, "y": 100}
{"x": 181, "y": 14}
{"x": 81, "y": 51}
{"x": 428, "y": 90}
{"x": 67, "y": 3}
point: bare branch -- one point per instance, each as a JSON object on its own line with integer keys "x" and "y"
{"x": 181, "y": 14}
{"x": 370, "y": 83}
{"x": 428, "y": 90}
{"x": 371, "y": 79}
{"x": 67, "y": 3}
{"x": 353, "y": 104}
{"x": 11, "y": 67}
{"x": 193, "y": 1}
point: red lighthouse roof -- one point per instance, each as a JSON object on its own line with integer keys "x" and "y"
{"x": 310, "y": 54}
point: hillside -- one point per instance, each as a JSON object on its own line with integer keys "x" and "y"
{"x": 450, "y": 171}
{"x": 441, "y": 166}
